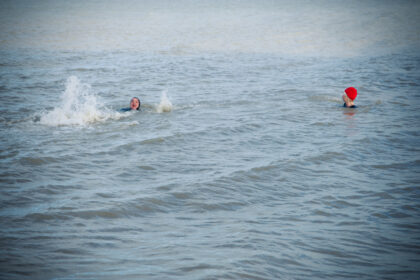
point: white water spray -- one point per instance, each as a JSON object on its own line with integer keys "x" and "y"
{"x": 165, "y": 104}
{"x": 79, "y": 106}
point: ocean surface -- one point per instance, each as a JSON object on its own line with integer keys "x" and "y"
{"x": 241, "y": 164}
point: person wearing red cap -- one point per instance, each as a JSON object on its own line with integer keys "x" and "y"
{"x": 349, "y": 97}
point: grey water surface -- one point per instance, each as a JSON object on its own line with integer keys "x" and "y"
{"x": 241, "y": 164}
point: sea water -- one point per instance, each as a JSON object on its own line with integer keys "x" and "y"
{"x": 242, "y": 162}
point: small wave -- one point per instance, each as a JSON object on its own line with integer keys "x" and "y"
{"x": 79, "y": 106}
{"x": 397, "y": 165}
{"x": 36, "y": 161}
{"x": 324, "y": 124}
{"x": 133, "y": 123}
{"x": 146, "y": 167}
{"x": 165, "y": 104}
{"x": 326, "y": 98}
{"x": 153, "y": 140}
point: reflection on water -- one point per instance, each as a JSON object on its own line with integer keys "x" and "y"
{"x": 349, "y": 114}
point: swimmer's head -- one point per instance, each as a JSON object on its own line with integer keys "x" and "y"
{"x": 135, "y": 103}
{"x": 351, "y": 93}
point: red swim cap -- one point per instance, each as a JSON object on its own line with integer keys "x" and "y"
{"x": 351, "y": 93}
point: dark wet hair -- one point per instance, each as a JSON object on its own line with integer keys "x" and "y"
{"x": 139, "y": 102}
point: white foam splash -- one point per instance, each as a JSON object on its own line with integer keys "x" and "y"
{"x": 165, "y": 104}
{"x": 79, "y": 106}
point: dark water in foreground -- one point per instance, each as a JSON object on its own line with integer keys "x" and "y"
{"x": 242, "y": 163}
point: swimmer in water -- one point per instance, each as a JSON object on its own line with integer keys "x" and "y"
{"x": 134, "y": 105}
{"x": 349, "y": 97}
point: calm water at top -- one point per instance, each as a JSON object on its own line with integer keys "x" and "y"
{"x": 241, "y": 164}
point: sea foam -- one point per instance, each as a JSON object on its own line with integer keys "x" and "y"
{"x": 79, "y": 106}
{"x": 165, "y": 104}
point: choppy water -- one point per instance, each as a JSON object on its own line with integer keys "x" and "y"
{"x": 242, "y": 163}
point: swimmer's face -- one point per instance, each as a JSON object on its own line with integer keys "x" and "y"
{"x": 346, "y": 98}
{"x": 134, "y": 104}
